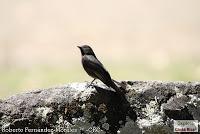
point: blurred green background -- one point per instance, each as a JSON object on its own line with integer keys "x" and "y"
{"x": 135, "y": 40}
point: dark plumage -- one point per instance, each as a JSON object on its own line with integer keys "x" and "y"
{"x": 95, "y": 68}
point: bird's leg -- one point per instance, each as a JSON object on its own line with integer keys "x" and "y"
{"x": 91, "y": 83}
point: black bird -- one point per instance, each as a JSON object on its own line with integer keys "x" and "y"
{"x": 95, "y": 68}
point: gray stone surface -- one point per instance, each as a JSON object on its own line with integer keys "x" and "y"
{"x": 146, "y": 107}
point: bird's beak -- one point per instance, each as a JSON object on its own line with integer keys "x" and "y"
{"x": 79, "y": 47}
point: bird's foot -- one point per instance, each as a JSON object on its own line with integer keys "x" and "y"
{"x": 89, "y": 85}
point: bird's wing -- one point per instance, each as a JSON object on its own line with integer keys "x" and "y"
{"x": 95, "y": 67}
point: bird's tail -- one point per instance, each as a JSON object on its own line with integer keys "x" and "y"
{"x": 121, "y": 84}
{"x": 119, "y": 89}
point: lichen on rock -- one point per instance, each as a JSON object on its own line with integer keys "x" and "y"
{"x": 146, "y": 107}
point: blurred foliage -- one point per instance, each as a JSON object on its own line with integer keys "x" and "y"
{"x": 150, "y": 40}
{"x": 17, "y": 80}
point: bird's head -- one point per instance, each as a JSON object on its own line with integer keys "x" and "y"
{"x": 86, "y": 50}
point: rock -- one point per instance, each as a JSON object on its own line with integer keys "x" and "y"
{"x": 146, "y": 106}
{"x": 176, "y": 108}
